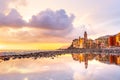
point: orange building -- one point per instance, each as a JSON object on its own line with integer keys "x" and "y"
{"x": 114, "y": 40}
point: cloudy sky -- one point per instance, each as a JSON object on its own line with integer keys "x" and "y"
{"x": 41, "y": 24}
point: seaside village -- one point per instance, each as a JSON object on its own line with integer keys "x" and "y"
{"x": 101, "y": 42}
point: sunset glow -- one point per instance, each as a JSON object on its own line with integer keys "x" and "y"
{"x": 53, "y": 23}
{"x": 59, "y": 39}
{"x": 33, "y": 46}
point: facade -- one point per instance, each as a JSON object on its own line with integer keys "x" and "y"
{"x": 78, "y": 43}
{"x": 75, "y": 43}
{"x": 102, "y": 42}
{"x": 90, "y": 43}
{"x": 114, "y": 40}
{"x": 118, "y": 39}
{"x": 81, "y": 42}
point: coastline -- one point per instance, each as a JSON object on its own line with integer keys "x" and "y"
{"x": 54, "y": 53}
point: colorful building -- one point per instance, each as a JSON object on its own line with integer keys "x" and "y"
{"x": 75, "y": 43}
{"x": 82, "y": 42}
{"x": 102, "y": 42}
{"x": 114, "y": 40}
{"x": 118, "y": 39}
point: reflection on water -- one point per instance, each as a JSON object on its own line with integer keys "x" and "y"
{"x": 81, "y": 58}
{"x": 105, "y": 58}
{"x": 75, "y": 66}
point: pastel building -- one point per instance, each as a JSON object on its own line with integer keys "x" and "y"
{"x": 75, "y": 43}
{"x": 102, "y": 42}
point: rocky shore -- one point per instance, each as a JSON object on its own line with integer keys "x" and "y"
{"x": 52, "y": 54}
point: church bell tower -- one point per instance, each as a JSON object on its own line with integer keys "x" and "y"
{"x": 85, "y": 39}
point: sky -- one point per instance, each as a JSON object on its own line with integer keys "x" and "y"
{"x": 28, "y": 24}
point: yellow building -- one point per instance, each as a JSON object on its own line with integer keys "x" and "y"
{"x": 75, "y": 43}
{"x": 78, "y": 43}
{"x": 81, "y": 42}
{"x": 118, "y": 39}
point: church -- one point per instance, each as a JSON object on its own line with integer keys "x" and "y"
{"x": 82, "y": 42}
